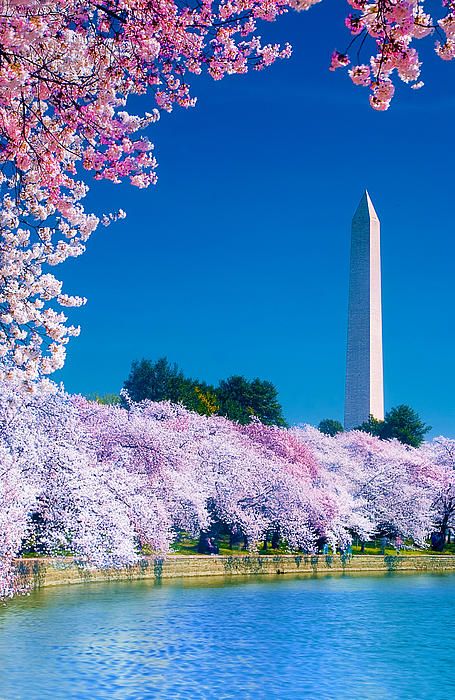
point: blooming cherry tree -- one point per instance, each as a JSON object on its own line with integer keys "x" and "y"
{"x": 88, "y": 503}
{"x": 438, "y": 470}
{"x": 351, "y": 514}
{"x": 394, "y": 26}
{"x": 107, "y": 483}
{"x": 385, "y": 473}
{"x": 68, "y": 68}
{"x": 378, "y": 484}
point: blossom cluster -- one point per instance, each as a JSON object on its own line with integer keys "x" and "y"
{"x": 67, "y": 70}
{"x": 107, "y": 483}
{"x": 394, "y": 26}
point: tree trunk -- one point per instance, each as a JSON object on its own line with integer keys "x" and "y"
{"x": 202, "y": 543}
{"x": 438, "y": 539}
{"x": 276, "y": 539}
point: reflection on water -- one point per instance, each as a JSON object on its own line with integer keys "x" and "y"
{"x": 381, "y": 638}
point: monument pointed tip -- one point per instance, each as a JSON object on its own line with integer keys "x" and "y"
{"x": 365, "y": 207}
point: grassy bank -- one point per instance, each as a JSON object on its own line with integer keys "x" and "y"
{"x": 188, "y": 546}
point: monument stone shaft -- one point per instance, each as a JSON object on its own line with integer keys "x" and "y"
{"x": 364, "y": 372}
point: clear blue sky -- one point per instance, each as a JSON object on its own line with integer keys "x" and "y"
{"x": 237, "y": 261}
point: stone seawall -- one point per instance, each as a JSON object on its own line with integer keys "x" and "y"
{"x": 40, "y": 572}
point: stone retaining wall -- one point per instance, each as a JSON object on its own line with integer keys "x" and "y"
{"x": 40, "y": 572}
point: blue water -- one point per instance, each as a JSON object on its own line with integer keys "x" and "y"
{"x": 376, "y": 637}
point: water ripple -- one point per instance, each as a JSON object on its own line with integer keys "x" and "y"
{"x": 389, "y": 638}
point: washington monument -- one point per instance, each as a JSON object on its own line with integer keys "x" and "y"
{"x": 364, "y": 374}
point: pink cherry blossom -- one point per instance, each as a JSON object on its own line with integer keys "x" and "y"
{"x": 107, "y": 483}
{"x": 338, "y": 60}
{"x": 68, "y": 71}
{"x": 360, "y": 75}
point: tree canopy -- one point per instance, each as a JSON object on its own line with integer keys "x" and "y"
{"x": 401, "y": 422}
{"x": 108, "y": 484}
{"x": 329, "y": 426}
{"x": 235, "y": 398}
{"x": 156, "y": 381}
{"x": 404, "y": 424}
{"x": 242, "y": 400}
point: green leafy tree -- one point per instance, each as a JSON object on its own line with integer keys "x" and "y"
{"x": 404, "y": 424}
{"x": 236, "y": 398}
{"x": 163, "y": 381}
{"x": 197, "y": 396}
{"x": 208, "y": 401}
{"x": 156, "y": 381}
{"x": 372, "y": 426}
{"x": 329, "y": 426}
{"x": 241, "y": 400}
{"x": 401, "y": 423}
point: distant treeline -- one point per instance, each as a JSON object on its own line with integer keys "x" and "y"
{"x": 236, "y": 397}
{"x": 242, "y": 401}
{"x": 400, "y": 423}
